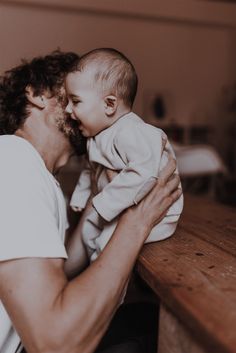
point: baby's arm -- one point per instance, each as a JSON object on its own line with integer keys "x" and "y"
{"x": 141, "y": 151}
{"x": 82, "y": 190}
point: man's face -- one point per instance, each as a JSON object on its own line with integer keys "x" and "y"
{"x": 67, "y": 125}
{"x": 86, "y": 104}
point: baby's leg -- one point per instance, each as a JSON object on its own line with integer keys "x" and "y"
{"x": 104, "y": 237}
{"x": 77, "y": 254}
{"x": 91, "y": 230}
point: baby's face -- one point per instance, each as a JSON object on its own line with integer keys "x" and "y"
{"x": 86, "y": 103}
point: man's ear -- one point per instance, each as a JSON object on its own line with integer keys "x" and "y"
{"x": 110, "y": 105}
{"x": 38, "y": 101}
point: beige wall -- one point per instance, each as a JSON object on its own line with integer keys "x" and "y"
{"x": 184, "y": 52}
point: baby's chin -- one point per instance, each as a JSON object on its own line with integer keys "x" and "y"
{"x": 85, "y": 133}
{"x": 90, "y": 133}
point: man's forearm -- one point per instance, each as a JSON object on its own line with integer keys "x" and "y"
{"x": 54, "y": 315}
{"x": 88, "y": 303}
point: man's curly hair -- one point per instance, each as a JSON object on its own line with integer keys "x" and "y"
{"x": 42, "y": 74}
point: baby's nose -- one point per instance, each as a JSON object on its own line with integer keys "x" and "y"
{"x": 68, "y": 109}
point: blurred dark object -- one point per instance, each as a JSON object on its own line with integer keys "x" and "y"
{"x": 159, "y": 108}
{"x": 187, "y": 134}
{"x": 219, "y": 187}
{"x": 226, "y": 191}
{"x": 134, "y": 327}
{"x": 175, "y": 132}
{"x": 231, "y": 153}
{"x": 228, "y": 108}
{"x": 199, "y": 134}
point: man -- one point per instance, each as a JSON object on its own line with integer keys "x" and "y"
{"x": 49, "y": 312}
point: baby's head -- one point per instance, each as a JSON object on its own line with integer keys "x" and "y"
{"x": 101, "y": 90}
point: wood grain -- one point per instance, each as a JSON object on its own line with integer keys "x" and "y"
{"x": 194, "y": 273}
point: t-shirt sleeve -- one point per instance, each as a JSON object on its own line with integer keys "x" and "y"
{"x": 29, "y": 225}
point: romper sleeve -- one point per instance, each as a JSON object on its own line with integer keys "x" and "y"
{"x": 141, "y": 149}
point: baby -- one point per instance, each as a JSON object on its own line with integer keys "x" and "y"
{"x": 101, "y": 93}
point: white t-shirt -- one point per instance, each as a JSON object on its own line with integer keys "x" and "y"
{"x": 32, "y": 215}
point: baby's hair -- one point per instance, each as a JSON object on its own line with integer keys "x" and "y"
{"x": 114, "y": 71}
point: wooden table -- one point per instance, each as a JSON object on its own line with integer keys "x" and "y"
{"x": 193, "y": 274}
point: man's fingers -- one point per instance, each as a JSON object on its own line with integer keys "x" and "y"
{"x": 168, "y": 201}
{"x": 167, "y": 171}
{"x": 173, "y": 197}
{"x": 167, "y": 187}
{"x": 172, "y": 184}
{"x": 162, "y": 194}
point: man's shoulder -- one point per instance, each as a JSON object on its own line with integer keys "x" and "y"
{"x": 13, "y": 145}
{"x": 18, "y": 150}
{"x": 19, "y": 160}
{"x": 13, "y": 141}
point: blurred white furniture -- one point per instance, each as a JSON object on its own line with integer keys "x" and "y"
{"x": 198, "y": 160}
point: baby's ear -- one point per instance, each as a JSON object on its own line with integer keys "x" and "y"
{"x": 110, "y": 105}
{"x": 38, "y": 101}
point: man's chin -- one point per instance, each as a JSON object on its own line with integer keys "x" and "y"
{"x": 67, "y": 126}
{"x": 78, "y": 142}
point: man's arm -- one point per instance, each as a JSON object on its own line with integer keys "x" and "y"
{"x": 52, "y": 314}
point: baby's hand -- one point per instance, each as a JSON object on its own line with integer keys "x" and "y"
{"x": 77, "y": 209}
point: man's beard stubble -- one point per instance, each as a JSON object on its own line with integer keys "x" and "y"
{"x": 70, "y": 128}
